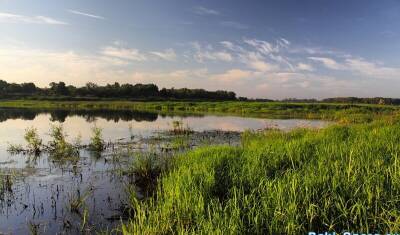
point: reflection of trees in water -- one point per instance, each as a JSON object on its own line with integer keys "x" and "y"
{"x": 115, "y": 115}
{"x": 23, "y": 114}
{"x": 90, "y": 115}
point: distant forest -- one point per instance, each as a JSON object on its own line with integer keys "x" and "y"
{"x": 150, "y": 92}
{"x": 112, "y": 91}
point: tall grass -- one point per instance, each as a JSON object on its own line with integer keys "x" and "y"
{"x": 345, "y": 177}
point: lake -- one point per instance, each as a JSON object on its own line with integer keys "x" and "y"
{"x": 43, "y": 188}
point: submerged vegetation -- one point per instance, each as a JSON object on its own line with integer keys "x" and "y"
{"x": 6, "y": 183}
{"x": 342, "y": 178}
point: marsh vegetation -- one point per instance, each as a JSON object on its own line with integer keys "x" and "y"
{"x": 341, "y": 178}
{"x": 183, "y": 176}
{"x": 81, "y": 180}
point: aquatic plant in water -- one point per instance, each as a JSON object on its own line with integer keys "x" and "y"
{"x": 96, "y": 141}
{"x": 34, "y": 142}
{"x": 178, "y": 128}
{"x": 33, "y": 228}
{"x": 6, "y": 183}
{"x": 58, "y": 146}
{"x": 15, "y": 148}
{"x": 146, "y": 168}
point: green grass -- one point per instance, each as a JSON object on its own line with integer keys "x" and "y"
{"x": 344, "y": 177}
{"x": 343, "y": 112}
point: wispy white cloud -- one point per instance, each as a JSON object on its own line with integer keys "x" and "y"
{"x": 257, "y": 62}
{"x": 234, "y": 25}
{"x": 327, "y": 62}
{"x": 15, "y": 18}
{"x": 168, "y": 54}
{"x": 200, "y": 10}
{"x": 305, "y": 67}
{"x": 232, "y": 75}
{"x": 250, "y": 67}
{"x": 232, "y": 46}
{"x": 22, "y": 64}
{"x": 86, "y": 14}
{"x": 360, "y": 66}
{"x": 123, "y": 53}
{"x": 285, "y": 41}
{"x": 209, "y": 53}
{"x": 371, "y": 69}
{"x": 273, "y": 51}
{"x": 263, "y": 47}
{"x": 227, "y": 44}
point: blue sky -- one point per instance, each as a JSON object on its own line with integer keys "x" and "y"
{"x": 269, "y": 49}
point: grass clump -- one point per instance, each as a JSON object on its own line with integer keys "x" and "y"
{"x": 342, "y": 178}
{"x": 146, "y": 169}
{"x": 180, "y": 143}
{"x": 15, "y": 148}
{"x": 34, "y": 142}
{"x": 59, "y": 148}
{"x": 96, "y": 141}
{"x": 178, "y": 128}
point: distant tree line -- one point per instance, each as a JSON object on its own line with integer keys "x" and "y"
{"x": 116, "y": 90}
{"x": 151, "y": 92}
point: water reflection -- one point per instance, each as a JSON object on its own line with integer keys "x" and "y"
{"x": 59, "y": 115}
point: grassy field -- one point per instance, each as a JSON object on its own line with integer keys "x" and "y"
{"x": 344, "y": 177}
{"x": 346, "y": 113}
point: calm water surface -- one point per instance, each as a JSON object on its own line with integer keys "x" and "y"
{"x": 43, "y": 188}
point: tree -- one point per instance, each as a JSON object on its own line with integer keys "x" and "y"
{"x": 59, "y": 88}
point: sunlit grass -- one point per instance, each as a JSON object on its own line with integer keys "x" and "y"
{"x": 344, "y": 177}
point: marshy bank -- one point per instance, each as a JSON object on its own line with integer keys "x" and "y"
{"x": 77, "y": 172}
{"x": 340, "y": 178}
{"x": 340, "y": 112}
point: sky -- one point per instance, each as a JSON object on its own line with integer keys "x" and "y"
{"x": 259, "y": 49}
